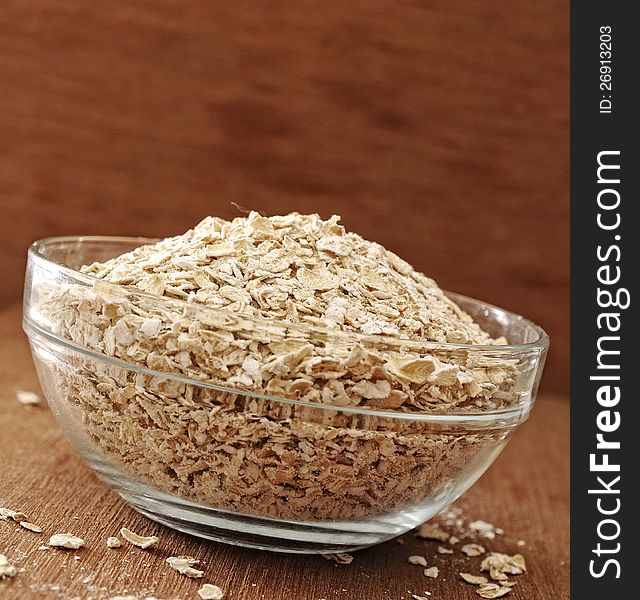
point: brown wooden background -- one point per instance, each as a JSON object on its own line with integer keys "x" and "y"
{"x": 436, "y": 128}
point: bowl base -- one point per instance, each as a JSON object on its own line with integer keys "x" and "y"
{"x": 300, "y": 537}
{"x": 225, "y": 530}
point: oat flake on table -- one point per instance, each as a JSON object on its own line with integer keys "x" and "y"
{"x": 15, "y": 515}
{"x": 432, "y": 572}
{"x": 27, "y": 398}
{"x": 295, "y": 269}
{"x": 140, "y": 541}
{"x": 501, "y": 565}
{"x": 210, "y": 592}
{"x": 472, "y": 549}
{"x": 430, "y": 531}
{"x": 66, "y": 540}
{"x": 31, "y": 526}
{"x": 492, "y": 590}
{"x": 6, "y": 568}
{"x": 185, "y": 566}
{"x": 342, "y": 558}
{"x": 474, "y": 579}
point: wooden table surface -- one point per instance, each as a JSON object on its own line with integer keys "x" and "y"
{"x": 526, "y": 493}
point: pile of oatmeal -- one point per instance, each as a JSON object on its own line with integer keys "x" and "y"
{"x": 289, "y": 307}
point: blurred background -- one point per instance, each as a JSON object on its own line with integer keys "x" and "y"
{"x": 438, "y": 129}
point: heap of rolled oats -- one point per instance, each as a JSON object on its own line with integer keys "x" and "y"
{"x": 289, "y": 307}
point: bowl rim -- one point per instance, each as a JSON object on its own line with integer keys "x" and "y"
{"x": 501, "y": 418}
{"x": 540, "y": 344}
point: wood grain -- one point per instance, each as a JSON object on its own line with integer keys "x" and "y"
{"x": 437, "y": 129}
{"x": 526, "y": 492}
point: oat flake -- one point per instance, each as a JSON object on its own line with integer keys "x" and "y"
{"x": 31, "y": 526}
{"x": 184, "y": 566}
{"x": 138, "y": 540}
{"x": 6, "y": 568}
{"x": 27, "y": 398}
{"x": 429, "y": 531}
{"x": 500, "y": 565}
{"x": 474, "y": 579}
{"x": 485, "y": 529}
{"x": 210, "y": 592}
{"x": 66, "y": 540}
{"x": 342, "y": 558}
{"x": 472, "y": 549}
{"x": 492, "y": 590}
{"x": 432, "y": 572}
{"x": 15, "y": 515}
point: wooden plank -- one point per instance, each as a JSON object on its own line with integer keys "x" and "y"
{"x": 437, "y": 129}
{"x": 526, "y": 493}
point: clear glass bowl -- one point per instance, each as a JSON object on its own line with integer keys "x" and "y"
{"x": 166, "y": 402}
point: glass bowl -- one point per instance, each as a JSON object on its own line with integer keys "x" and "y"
{"x": 327, "y": 442}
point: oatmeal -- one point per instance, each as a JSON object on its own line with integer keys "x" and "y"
{"x": 291, "y": 308}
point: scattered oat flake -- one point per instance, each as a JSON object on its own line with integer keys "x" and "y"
{"x": 416, "y": 597}
{"x": 138, "y": 540}
{"x": 27, "y": 398}
{"x": 492, "y": 590}
{"x": 341, "y": 558}
{"x": 432, "y": 572}
{"x": 66, "y": 540}
{"x": 16, "y": 515}
{"x": 417, "y": 560}
{"x": 184, "y": 566}
{"x": 474, "y": 579}
{"x": 472, "y": 549}
{"x": 43, "y": 547}
{"x": 500, "y": 565}
{"x": 485, "y": 529}
{"x": 113, "y": 542}
{"x": 428, "y": 531}
{"x": 521, "y": 543}
{"x": 31, "y": 526}
{"x": 497, "y": 575}
{"x": 443, "y": 550}
{"x": 453, "y": 540}
{"x": 210, "y": 592}
{"x": 6, "y": 568}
